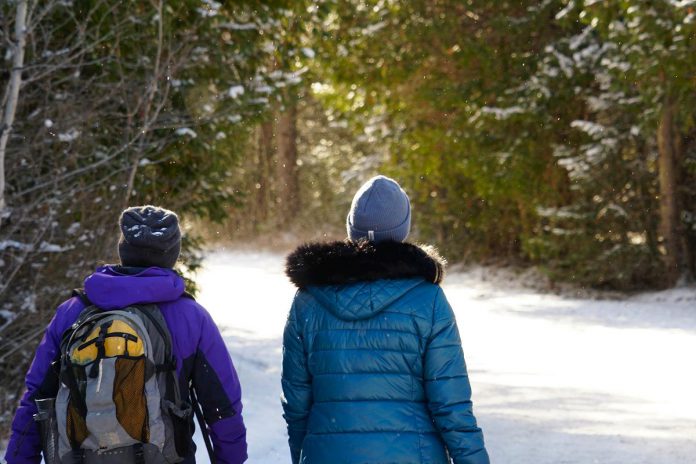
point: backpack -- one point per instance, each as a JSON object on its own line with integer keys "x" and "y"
{"x": 119, "y": 399}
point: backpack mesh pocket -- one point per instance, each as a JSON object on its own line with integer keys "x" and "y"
{"x": 117, "y": 367}
{"x": 129, "y": 397}
{"x": 76, "y": 427}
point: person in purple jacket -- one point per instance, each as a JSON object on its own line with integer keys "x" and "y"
{"x": 148, "y": 249}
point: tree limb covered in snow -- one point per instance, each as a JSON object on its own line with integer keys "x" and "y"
{"x": 12, "y": 97}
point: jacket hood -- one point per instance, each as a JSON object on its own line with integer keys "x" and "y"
{"x": 356, "y": 280}
{"x": 113, "y": 287}
{"x": 361, "y": 300}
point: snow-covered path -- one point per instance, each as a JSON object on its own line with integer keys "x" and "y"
{"x": 555, "y": 380}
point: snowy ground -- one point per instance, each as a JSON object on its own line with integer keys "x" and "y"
{"x": 555, "y": 380}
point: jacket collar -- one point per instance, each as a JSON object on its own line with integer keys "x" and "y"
{"x": 113, "y": 287}
{"x": 339, "y": 263}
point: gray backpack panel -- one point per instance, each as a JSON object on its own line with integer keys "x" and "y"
{"x": 118, "y": 392}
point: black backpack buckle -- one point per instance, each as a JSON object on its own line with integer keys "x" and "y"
{"x": 139, "y": 453}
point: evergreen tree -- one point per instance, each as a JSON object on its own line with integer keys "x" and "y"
{"x": 122, "y": 103}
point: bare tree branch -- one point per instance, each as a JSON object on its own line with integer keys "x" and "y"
{"x": 13, "y": 93}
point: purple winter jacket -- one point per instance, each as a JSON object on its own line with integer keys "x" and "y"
{"x": 201, "y": 356}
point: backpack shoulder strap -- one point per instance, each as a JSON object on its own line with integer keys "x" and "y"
{"x": 65, "y": 373}
{"x": 153, "y": 315}
{"x": 157, "y": 326}
{"x": 82, "y": 295}
{"x": 89, "y": 310}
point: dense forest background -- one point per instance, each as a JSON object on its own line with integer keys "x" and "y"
{"x": 558, "y": 133}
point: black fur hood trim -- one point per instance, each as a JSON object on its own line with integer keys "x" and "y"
{"x": 336, "y": 263}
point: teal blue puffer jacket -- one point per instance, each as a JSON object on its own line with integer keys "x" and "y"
{"x": 373, "y": 370}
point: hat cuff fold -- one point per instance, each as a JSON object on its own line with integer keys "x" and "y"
{"x": 397, "y": 234}
{"x": 139, "y": 256}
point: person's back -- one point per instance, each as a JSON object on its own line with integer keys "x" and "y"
{"x": 373, "y": 370}
{"x": 148, "y": 250}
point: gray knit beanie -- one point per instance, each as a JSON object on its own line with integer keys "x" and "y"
{"x": 380, "y": 211}
{"x": 150, "y": 236}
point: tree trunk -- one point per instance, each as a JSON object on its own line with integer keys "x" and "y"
{"x": 669, "y": 205}
{"x": 12, "y": 95}
{"x": 148, "y": 109}
{"x": 287, "y": 175}
{"x": 265, "y": 154}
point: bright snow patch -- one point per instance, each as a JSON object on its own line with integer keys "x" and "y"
{"x": 372, "y": 28}
{"x": 69, "y": 136}
{"x": 263, "y": 89}
{"x": 182, "y": 131}
{"x": 555, "y": 379}
{"x": 7, "y": 315}
{"x": 589, "y": 127}
{"x": 238, "y": 27}
{"x": 502, "y": 113}
{"x": 73, "y": 228}
{"x": 46, "y": 247}
{"x": 235, "y": 91}
{"x": 5, "y": 244}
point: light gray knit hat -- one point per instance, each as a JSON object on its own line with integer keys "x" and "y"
{"x": 380, "y": 211}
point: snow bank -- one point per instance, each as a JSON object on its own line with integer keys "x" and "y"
{"x": 555, "y": 379}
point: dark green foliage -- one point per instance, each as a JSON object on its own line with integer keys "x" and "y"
{"x": 123, "y": 103}
{"x": 525, "y": 130}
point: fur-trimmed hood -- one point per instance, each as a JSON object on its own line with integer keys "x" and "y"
{"x": 340, "y": 263}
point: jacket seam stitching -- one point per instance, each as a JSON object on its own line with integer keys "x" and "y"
{"x": 386, "y": 350}
{"x": 363, "y": 373}
{"x": 370, "y": 329}
{"x": 447, "y": 377}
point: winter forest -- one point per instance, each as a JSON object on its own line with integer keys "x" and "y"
{"x": 557, "y": 136}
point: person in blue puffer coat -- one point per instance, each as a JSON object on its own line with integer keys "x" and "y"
{"x": 373, "y": 368}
